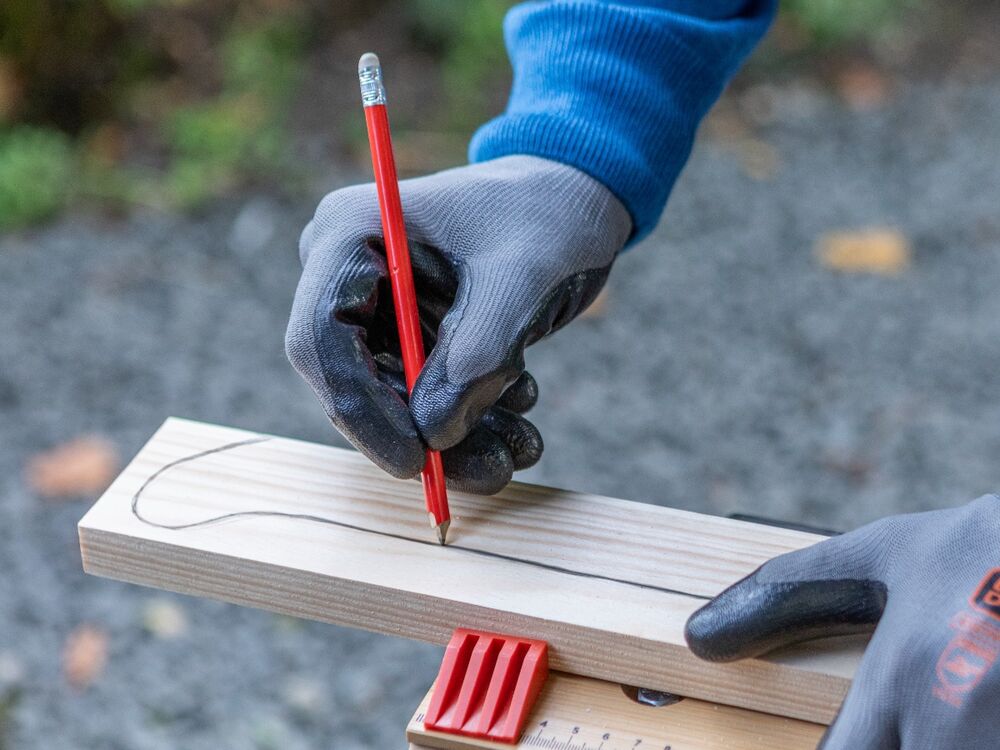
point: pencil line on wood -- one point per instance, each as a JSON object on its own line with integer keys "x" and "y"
{"x": 353, "y": 527}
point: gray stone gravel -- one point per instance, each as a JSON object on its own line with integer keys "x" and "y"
{"x": 728, "y": 372}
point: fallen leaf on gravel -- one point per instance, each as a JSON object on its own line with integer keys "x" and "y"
{"x": 759, "y": 159}
{"x": 729, "y": 130}
{"x": 879, "y": 250}
{"x": 862, "y": 87}
{"x": 84, "y": 655}
{"x": 725, "y": 123}
{"x": 83, "y": 466}
{"x": 165, "y": 619}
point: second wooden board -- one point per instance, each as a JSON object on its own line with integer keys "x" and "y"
{"x": 320, "y": 533}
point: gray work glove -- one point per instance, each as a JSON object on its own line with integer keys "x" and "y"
{"x": 504, "y": 252}
{"x": 930, "y": 581}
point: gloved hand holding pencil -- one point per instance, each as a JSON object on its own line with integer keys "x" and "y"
{"x": 503, "y": 252}
{"x": 603, "y": 111}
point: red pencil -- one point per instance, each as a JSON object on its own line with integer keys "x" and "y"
{"x": 404, "y": 295}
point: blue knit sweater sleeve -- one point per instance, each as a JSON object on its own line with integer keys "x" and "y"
{"x": 617, "y": 89}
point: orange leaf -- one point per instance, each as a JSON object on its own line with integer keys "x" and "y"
{"x": 862, "y": 87}
{"x": 83, "y": 466}
{"x": 85, "y": 655}
{"x": 759, "y": 159}
{"x": 879, "y": 250}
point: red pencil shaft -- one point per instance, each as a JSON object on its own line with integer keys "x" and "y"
{"x": 404, "y": 293}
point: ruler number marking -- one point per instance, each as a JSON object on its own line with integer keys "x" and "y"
{"x": 541, "y": 739}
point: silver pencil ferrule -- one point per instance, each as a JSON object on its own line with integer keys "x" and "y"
{"x": 372, "y": 90}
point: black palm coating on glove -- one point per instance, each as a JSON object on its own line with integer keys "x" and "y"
{"x": 503, "y": 253}
{"x": 503, "y": 442}
{"x": 929, "y": 586}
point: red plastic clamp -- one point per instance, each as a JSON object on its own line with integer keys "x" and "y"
{"x": 487, "y": 685}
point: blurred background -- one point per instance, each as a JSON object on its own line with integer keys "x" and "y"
{"x": 812, "y": 334}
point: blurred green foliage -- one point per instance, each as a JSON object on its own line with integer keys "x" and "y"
{"x": 469, "y": 42}
{"x": 166, "y": 102}
{"x": 174, "y": 102}
{"x": 827, "y": 22}
{"x": 239, "y": 132}
{"x": 35, "y": 174}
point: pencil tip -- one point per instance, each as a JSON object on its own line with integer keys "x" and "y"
{"x": 368, "y": 60}
{"x": 442, "y": 532}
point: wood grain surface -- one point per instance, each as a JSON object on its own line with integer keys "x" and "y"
{"x": 320, "y": 533}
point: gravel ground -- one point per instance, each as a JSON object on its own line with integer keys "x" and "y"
{"x": 728, "y": 371}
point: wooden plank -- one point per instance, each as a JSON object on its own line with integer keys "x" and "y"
{"x": 320, "y": 533}
{"x": 580, "y": 713}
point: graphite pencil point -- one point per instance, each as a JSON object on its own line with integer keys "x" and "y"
{"x": 442, "y": 532}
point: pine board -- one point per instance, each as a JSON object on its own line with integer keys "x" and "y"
{"x": 322, "y": 534}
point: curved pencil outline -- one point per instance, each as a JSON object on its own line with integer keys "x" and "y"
{"x": 353, "y": 527}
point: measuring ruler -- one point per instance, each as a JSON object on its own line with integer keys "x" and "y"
{"x": 579, "y": 713}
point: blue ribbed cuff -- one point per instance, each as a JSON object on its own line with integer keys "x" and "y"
{"x": 618, "y": 90}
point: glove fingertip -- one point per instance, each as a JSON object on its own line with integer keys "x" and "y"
{"x": 377, "y": 424}
{"x": 521, "y": 396}
{"x": 528, "y": 450}
{"x": 402, "y": 459}
{"x": 481, "y": 464}
{"x": 751, "y": 618}
{"x": 400, "y": 469}
{"x": 446, "y": 412}
{"x": 522, "y": 438}
{"x": 711, "y": 636}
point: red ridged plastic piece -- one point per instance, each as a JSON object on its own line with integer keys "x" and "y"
{"x": 487, "y": 685}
